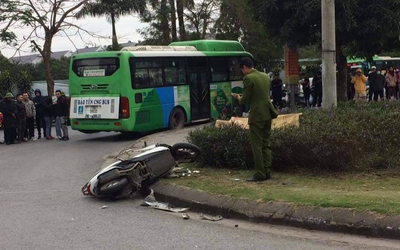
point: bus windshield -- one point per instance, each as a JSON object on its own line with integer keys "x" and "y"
{"x": 95, "y": 67}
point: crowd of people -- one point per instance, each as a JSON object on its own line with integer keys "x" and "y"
{"x": 378, "y": 85}
{"x": 277, "y": 90}
{"x": 382, "y": 85}
{"x": 21, "y": 115}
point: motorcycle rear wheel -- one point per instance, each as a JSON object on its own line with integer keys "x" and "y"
{"x": 114, "y": 187}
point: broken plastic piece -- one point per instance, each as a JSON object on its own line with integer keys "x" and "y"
{"x": 103, "y": 207}
{"x": 211, "y": 218}
{"x": 151, "y": 201}
{"x": 185, "y": 216}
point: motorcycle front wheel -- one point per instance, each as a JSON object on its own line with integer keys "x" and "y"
{"x": 114, "y": 187}
{"x": 185, "y": 152}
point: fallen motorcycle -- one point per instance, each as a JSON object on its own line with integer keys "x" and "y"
{"x": 124, "y": 177}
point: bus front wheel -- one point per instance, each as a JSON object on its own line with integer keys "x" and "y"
{"x": 177, "y": 119}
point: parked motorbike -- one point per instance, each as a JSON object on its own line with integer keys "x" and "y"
{"x": 124, "y": 177}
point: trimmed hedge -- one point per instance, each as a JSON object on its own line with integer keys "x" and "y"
{"x": 351, "y": 138}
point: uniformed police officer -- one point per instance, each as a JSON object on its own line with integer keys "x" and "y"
{"x": 256, "y": 93}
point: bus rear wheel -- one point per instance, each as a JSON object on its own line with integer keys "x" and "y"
{"x": 177, "y": 119}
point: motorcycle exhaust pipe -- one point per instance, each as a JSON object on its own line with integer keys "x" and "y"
{"x": 109, "y": 176}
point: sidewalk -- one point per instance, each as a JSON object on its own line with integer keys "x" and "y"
{"x": 283, "y": 213}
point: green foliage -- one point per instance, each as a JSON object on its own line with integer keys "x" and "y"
{"x": 352, "y": 138}
{"x": 152, "y": 35}
{"x": 236, "y": 23}
{"x": 199, "y": 17}
{"x": 10, "y": 14}
{"x": 60, "y": 69}
{"x": 364, "y": 27}
{"x": 310, "y": 52}
{"x": 112, "y": 9}
{"x": 223, "y": 148}
{"x": 14, "y": 77}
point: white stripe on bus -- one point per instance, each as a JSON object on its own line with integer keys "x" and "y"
{"x": 166, "y": 53}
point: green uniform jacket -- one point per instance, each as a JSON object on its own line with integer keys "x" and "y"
{"x": 256, "y": 92}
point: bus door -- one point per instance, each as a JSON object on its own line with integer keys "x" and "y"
{"x": 199, "y": 88}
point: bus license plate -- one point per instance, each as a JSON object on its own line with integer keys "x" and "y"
{"x": 93, "y": 110}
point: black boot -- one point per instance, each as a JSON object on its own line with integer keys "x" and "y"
{"x": 256, "y": 178}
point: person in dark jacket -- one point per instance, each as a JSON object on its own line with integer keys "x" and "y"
{"x": 350, "y": 88}
{"x": 372, "y": 78}
{"x": 61, "y": 114}
{"x": 9, "y": 110}
{"x": 40, "y": 122}
{"x": 376, "y": 84}
{"x": 379, "y": 86}
{"x": 48, "y": 113}
{"x": 317, "y": 83}
{"x": 276, "y": 85}
{"x": 21, "y": 115}
{"x": 306, "y": 90}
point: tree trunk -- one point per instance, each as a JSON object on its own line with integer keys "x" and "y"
{"x": 205, "y": 26}
{"x": 341, "y": 84}
{"x": 46, "y": 54}
{"x": 164, "y": 22}
{"x": 182, "y": 31}
{"x": 114, "y": 34}
{"x": 173, "y": 20}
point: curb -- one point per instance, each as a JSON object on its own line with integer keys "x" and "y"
{"x": 279, "y": 213}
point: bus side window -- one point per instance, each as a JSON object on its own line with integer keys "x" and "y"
{"x": 175, "y": 71}
{"x": 219, "y": 69}
{"x": 146, "y": 72}
{"x": 235, "y": 74}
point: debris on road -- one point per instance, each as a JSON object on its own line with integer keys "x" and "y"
{"x": 151, "y": 201}
{"x": 211, "y": 218}
{"x": 185, "y": 216}
{"x": 172, "y": 175}
{"x": 236, "y": 179}
{"x": 103, "y": 207}
{"x": 182, "y": 172}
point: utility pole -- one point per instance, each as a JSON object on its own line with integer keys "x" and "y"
{"x": 329, "y": 98}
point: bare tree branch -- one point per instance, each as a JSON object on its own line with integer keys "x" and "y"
{"x": 22, "y": 44}
{"x": 39, "y": 17}
{"x": 64, "y": 16}
{"x": 76, "y": 48}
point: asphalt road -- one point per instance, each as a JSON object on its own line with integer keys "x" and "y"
{"x": 42, "y": 207}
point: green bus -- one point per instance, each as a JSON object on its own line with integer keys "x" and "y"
{"x": 152, "y": 87}
{"x": 382, "y": 63}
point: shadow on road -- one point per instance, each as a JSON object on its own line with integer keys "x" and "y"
{"x": 127, "y": 136}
